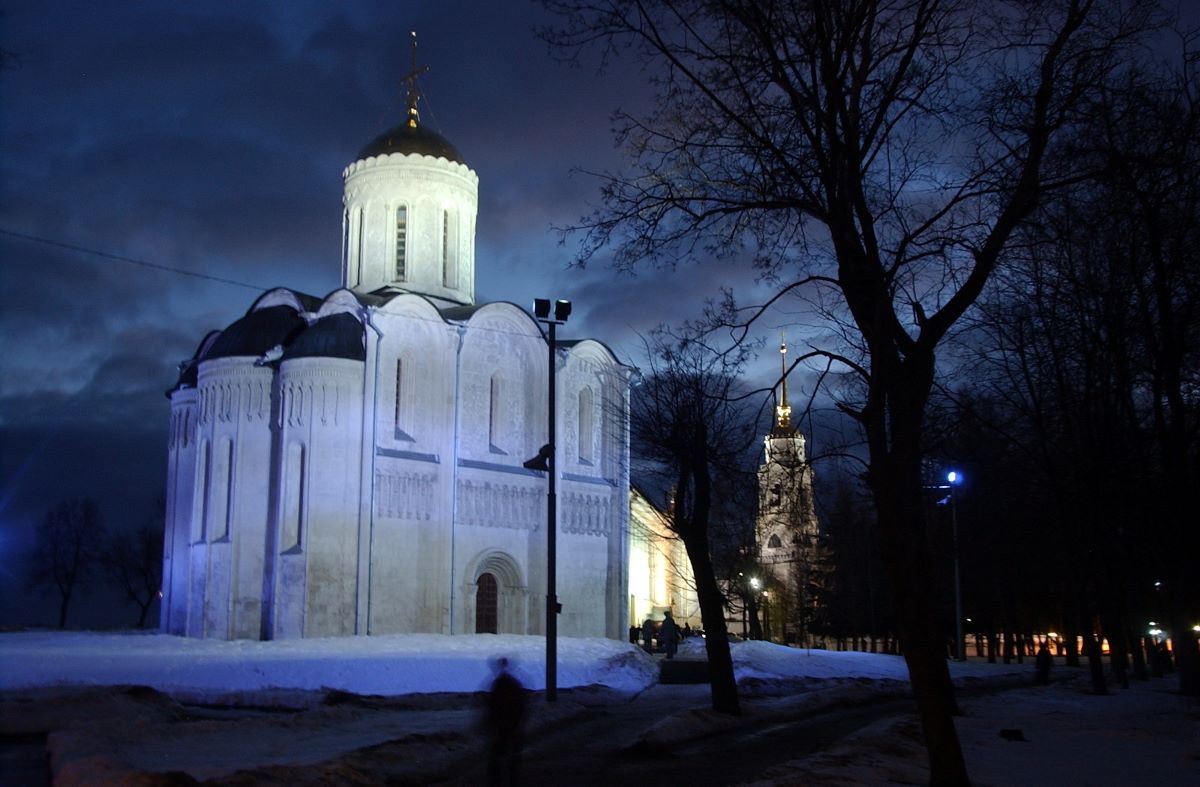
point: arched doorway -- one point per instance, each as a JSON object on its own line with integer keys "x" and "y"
{"x": 494, "y": 597}
{"x": 487, "y": 597}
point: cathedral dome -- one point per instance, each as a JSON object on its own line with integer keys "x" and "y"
{"x": 336, "y": 336}
{"x": 408, "y": 138}
{"x": 410, "y": 203}
{"x": 257, "y": 332}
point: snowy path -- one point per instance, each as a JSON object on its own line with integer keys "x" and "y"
{"x": 425, "y": 730}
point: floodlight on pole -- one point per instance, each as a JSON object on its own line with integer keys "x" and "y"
{"x": 545, "y": 461}
{"x": 955, "y": 478}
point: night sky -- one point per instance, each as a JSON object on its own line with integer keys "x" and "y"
{"x": 211, "y": 138}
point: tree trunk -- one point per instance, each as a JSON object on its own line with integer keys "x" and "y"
{"x": 896, "y": 483}
{"x": 65, "y": 601}
{"x": 694, "y": 532}
{"x": 1072, "y": 643}
{"x": 716, "y": 641}
{"x": 756, "y": 632}
{"x": 1091, "y": 644}
{"x": 1139, "y": 658}
{"x": 1187, "y": 656}
{"x": 1151, "y": 648}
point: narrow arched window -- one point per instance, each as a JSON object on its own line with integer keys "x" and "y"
{"x": 449, "y": 250}
{"x": 774, "y": 543}
{"x": 587, "y": 429}
{"x": 346, "y": 246}
{"x": 359, "y": 243}
{"x": 203, "y": 487}
{"x": 401, "y": 241}
{"x": 446, "y": 247}
{"x": 402, "y": 406}
{"x": 293, "y": 499}
{"x": 496, "y": 416}
{"x": 218, "y": 482}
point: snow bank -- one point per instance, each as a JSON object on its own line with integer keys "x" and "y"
{"x": 397, "y": 664}
{"x": 383, "y": 665}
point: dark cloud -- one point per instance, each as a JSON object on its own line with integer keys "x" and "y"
{"x": 211, "y": 138}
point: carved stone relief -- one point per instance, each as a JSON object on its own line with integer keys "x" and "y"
{"x": 489, "y": 504}
{"x": 404, "y": 495}
{"x": 586, "y": 515}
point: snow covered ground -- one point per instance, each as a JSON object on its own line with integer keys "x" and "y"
{"x": 394, "y": 665}
{"x": 1063, "y": 734}
{"x": 385, "y": 665}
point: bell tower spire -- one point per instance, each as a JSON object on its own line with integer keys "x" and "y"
{"x": 783, "y": 410}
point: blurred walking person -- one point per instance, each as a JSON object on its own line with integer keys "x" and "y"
{"x": 505, "y": 718}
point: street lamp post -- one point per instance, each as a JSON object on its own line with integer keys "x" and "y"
{"x": 955, "y": 478}
{"x": 545, "y": 461}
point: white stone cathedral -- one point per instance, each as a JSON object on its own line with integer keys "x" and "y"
{"x": 354, "y": 464}
{"x": 787, "y": 528}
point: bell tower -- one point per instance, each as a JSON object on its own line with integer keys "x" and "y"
{"x": 787, "y": 530}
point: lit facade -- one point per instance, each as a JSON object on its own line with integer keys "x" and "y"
{"x": 660, "y": 573}
{"x": 352, "y": 464}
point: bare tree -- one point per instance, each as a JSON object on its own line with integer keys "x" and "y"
{"x": 1152, "y": 139}
{"x": 133, "y": 562}
{"x": 1094, "y": 336}
{"x": 685, "y": 421}
{"x": 67, "y": 540}
{"x": 881, "y": 151}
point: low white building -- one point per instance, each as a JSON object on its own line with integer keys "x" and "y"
{"x": 660, "y": 572}
{"x": 353, "y": 464}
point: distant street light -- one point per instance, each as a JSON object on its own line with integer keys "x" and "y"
{"x": 545, "y": 461}
{"x": 955, "y": 478}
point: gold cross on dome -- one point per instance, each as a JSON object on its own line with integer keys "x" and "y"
{"x": 414, "y": 92}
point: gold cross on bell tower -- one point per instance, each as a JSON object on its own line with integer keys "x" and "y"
{"x": 414, "y": 92}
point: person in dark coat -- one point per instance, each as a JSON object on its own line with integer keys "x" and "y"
{"x": 1042, "y": 664}
{"x": 504, "y": 717}
{"x": 669, "y": 634}
{"x": 648, "y": 635}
